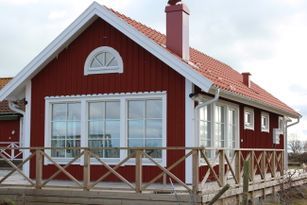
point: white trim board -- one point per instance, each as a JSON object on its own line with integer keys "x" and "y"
{"x": 95, "y": 10}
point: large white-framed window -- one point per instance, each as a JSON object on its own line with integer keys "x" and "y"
{"x": 110, "y": 120}
{"x": 219, "y": 126}
{"x": 265, "y": 122}
{"x": 102, "y": 60}
{"x": 249, "y": 118}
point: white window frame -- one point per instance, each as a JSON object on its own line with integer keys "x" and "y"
{"x": 267, "y": 116}
{"x": 228, "y": 106}
{"x": 251, "y": 125}
{"x": 123, "y": 98}
{"x": 103, "y": 70}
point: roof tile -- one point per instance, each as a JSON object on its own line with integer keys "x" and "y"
{"x": 222, "y": 75}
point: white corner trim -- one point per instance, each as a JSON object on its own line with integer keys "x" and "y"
{"x": 71, "y": 32}
{"x": 190, "y": 139}
{"x": 105, "y": 69}
{"x": 27, "y": 128}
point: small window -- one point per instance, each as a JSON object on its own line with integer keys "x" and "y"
{"x": 281, "y": 124}
{"x": 265, "y": 122}
{"x": 103, "y": 60}
{"x": 248, "y": 119}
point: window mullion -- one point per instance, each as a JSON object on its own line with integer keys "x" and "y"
{"x": 123, "y": 127}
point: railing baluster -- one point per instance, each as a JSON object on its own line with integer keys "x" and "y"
{"x": 86, "y": 170}
{"x": 222, "y": 167}
{"x": 252, "y": 166}
{"x": 238, "y": 165}
{"x": 195, "y": 171}
{"x": 138, "y": 171}
{"x": 39, "y": 169}
{"x": 274, "y": 164}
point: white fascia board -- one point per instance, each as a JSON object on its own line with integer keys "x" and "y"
{"x": 72, "y": 31}
{"x": 249, "y": 101}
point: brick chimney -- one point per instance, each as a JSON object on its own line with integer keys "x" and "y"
{"x": 246, "y": 79}
{"x": 177, "y": 29}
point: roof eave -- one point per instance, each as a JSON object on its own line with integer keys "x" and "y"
{"x": 255, "y": 103}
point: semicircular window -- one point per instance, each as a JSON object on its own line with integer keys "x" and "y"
{"x": 103, "y": 60}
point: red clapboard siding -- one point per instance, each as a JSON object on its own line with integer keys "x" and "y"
{"x": 6, "y": 129}
{"x": 142, "y": 72}
{"x": 256, "y": 138}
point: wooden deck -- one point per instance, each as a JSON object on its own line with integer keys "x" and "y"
{"x": 267, "y": 176}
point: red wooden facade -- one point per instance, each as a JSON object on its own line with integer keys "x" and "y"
{"x": 142, "y": 72}
{"x": 9, "y": 130}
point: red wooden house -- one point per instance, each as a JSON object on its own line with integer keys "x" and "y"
{"x": 10, "y": 121}
{"x": 110, "y": 81}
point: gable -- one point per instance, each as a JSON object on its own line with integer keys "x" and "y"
{"x": 143, "y": 72}
{"x": 13, "y": 89}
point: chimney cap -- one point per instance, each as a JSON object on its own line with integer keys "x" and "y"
{"x": 246, "y": 73}
{"x": 173, "y": 2}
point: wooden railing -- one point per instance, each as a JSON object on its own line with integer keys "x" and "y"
{"x": 10, "y": 150}
{"x": 221, "y": 167}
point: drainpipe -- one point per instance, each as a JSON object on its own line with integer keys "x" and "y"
{"x": 286, "y": 140}
{"x": 197, "y": 97}
{"x": 14, "y": 107}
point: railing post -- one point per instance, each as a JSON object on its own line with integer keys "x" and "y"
{"x": 195, "y": 171}
{"x": 274, "y": 164}
{"x": 282, "y": 164}
{"x": 263, "y": 163}
{"x": 222, "y": 167}
{"x": 252, "y": 165}
{"x": 86, "y": 170}
{"x": 238, "y": 166}
{"x": 138, "y": 171}
{"x": 38, "y": 169}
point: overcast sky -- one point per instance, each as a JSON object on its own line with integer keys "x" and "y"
{"x": 267, "y": 38}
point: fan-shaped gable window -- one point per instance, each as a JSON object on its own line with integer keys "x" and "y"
{"x": 103, "y": 60}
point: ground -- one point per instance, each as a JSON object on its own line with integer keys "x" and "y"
{"x": 293, "y": 196}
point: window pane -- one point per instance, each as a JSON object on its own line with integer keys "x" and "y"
{"x": 153, "y": 128}
{"x": 73, "y": 130}
{"x": 74, "y": 111}
{"x": 112, "y": 129}
{"x": 72, "y": 144}
{"x": 58, "y": 130}
{"x": 96, "y": 111}
{"x": 154, "y": 143}
{"x": 136, "y": 109}
{"x": 110, "y": 60}
{"x": 59, "y": 112}
{"x": 136, "y": 143}
{"x": 136, "y": 129}
{"x": 96, "y": 144}
{"x": 153, "y": 109}
{"x": 112, "y": 153}
{"x": 96, "y": 129}
{"x": 58, "y": 144}
{"x": 112, "y": 110}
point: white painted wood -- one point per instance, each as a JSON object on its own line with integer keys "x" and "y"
{"x": 123, "y": 98}
{"x": 190, "y": 139}
{"x": 27, "y": 127}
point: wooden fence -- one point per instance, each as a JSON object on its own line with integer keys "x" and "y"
{"x": 220, "y": 167}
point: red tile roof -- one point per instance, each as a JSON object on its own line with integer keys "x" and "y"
{"x": 4, "y": 108}
{"x": 222, "y": 75}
